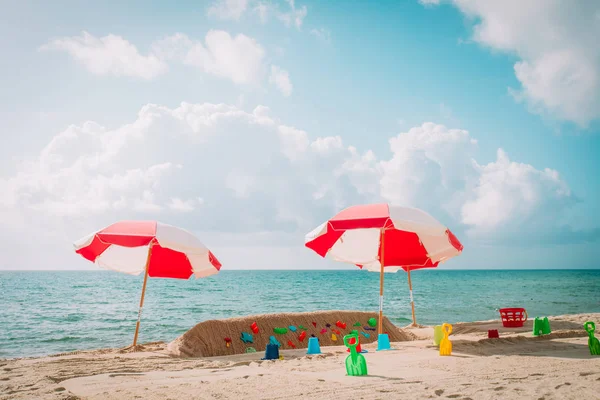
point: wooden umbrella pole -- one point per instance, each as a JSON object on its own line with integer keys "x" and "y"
{"x": 137, "y": 325}
{"x": 380, "y": 327}
{"x": 412, "y": 301}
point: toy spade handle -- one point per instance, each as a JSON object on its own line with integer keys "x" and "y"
{"x": 347, "y": 338}
{"x": 447, "y": 327}
{"x": 526, "y": 316}
{"x": 589, "y": 327}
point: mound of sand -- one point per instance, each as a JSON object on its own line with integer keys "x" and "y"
{"x": 207, "y": 339}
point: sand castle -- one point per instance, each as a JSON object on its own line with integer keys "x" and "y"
{"x": 208, "y": 338}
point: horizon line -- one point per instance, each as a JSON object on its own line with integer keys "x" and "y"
{"x": 319, "y": 269}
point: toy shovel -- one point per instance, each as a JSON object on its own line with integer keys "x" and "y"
{"x": 446, "y": 344}
{"x": 593, "y": 343}
{"x": 356, "y": 365}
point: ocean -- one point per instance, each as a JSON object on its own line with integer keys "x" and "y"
{"x": 51, "y": 312}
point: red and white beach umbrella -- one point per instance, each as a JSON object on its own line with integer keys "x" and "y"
{"x": 378, "y": 236}
{"x": 156, "y": 249}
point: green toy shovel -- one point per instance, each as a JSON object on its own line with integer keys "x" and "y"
{"x": 356, "y": 365}
{"x": 593, "y": 343}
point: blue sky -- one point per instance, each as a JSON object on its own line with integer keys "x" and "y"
{"x": 288, "y": 117}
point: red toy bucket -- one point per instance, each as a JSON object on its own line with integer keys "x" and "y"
{"x": 513, "y": 317}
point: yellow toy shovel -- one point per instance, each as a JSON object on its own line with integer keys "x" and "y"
{"x": 446, "y": 344}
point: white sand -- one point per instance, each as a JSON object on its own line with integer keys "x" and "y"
{"x": 516, "y": 366}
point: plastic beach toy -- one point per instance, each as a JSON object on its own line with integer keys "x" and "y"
{"x": 291, "y": 344}
{"x": 271, "y": 352}
{"x": 273, "y": 340}
{"x": 368, "y": 328}
{"x": 513, "y": 317}
{"x": 254, "y": 328}
{"x": 340, "y": 324}
{"x": 351, "y": 341}
{"x": 280, "y": 331}
{"x": 292, "y": 328}
{"x": 333, "y": 337}
{"x": 593, "y": 342}
{"x": 313, "y": 346}
{"x": 227, "y": 341}
{"x": 250, "y": 350}
{"x": 383, "y": 342}
{"x": 541, "y": 326}
{"x": 356, "y": 365}
{"x": 493, "y": 334}
{"x": 372, "y": 322}
{"x": 446, "y": 344}
{"x": 438, "y": 335}
{"x": 356, "y": 324}
{"x": 246, "y": 337}
{"x": 323, "y": 331}
{"x": 302, "y": 336}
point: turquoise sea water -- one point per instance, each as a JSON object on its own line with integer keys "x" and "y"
{"x": 51, "y": 312}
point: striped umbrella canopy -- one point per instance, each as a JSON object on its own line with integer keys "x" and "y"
{"x": 158, "y": 250}
{"x": 378, "y": 236}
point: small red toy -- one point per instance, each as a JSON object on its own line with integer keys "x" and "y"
{"x": 254, "y": 327}
{"x": 228, "y": 341}
{"x": 336, "y": 331}
{"x": 493, "y": 333}
{"x": 351, "y": 341}
{"x": 291, "y": 344}
{"x": 323, "y": 331}
{"x": 340, "y": 324}
{"x": 314, "y": 324}
{"x": 302, "y": 336}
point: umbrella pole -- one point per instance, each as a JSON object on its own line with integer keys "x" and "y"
{"x": 412, "y": 301}
{"x": 380, "y": 327}
{"x": 137, "y": 325}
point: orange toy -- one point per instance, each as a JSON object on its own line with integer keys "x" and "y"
{"x": 446, "y": 344}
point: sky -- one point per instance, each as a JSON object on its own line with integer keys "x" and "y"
{"x": 250, "y": 122}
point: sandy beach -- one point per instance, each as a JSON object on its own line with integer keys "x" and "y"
{"x": 516, "y": 366}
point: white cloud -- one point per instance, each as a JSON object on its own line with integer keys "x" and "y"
{"x": 109, "y": 55}
{"x": 263, "y": 10}
{"x": 434, "y": 168}
{"x": 290, "y": 15}
{"x": 294, "y": 142}
{"x": 243, "y": 176}
{"x": 559, "y": 66}
{"x": 281, "y": 79}
{"x": 238, "y": 58}
{"x": 295, "y": 16}
{"x": 509, "y": 192}
{"x": 429, "y": 163}
{"x": 228, "y": 9}
{"x": 176, "y": 204}
{"x": 321, "y": 34}
{"x": 251, "y": 172}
